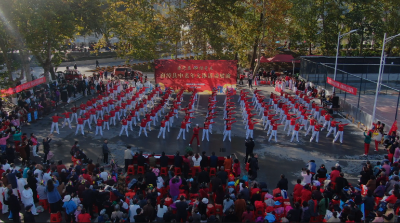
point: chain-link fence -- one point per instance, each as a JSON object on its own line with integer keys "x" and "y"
{"x": 361, "y": 73}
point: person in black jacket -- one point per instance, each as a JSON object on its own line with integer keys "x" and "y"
{"x": 216, "y": 182}
{"x": 163, "y": 160}
{"x": 202, "y": 206}
{"x": 150, "y": 178}
{"x": 249, "y": 148}
{"x": 140, "y": 217}
{"x": 223, "y": 175}
{"x": 141, "y": 160}
{"x": 253, "y": 167}
{"x": 306, "y": 212}
{"x": 13, "y": 205}
{"x": 106, "y": 151}
{"x": 178, "y": 160}
{"x": 321, "y": 172}
{"x": 283, "y": 183}
{"x": 46, "y": 147}
{"x": 181, "y": 210}
{"x": 88, "y": 198}
{"x": 10, "y": 153}
{"x": 203, "y": 177}
{"x": 28, "y": 216}
{"x": 32, "y": 182}
{"x": 168, "y": 216}
{"x": 294, "y": 215}
{"x": 204, "y": 160}
{"x": 341, "y": 182}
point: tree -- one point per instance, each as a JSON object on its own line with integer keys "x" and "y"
{"x": 304, "y": 22}
{"x": 44, "y": 26}
{"x": 138, "y": 27}
{"x": 10, "y": 38}
{"x": 173, "y": 17}
{"x": 390, "y": 18}
{"x": 273, "y": 24}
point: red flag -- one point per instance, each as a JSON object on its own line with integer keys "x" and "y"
{"x": 394, "y": 127}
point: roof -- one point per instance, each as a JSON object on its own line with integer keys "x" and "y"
{"x": 279, "y": 58}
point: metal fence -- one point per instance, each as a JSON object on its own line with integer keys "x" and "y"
{"x": 362, "y": 76}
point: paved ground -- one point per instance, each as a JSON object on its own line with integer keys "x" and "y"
{"x": 278, "y": 158}
{"x": 274, "y": 158}
{"x": 386, "y": 106}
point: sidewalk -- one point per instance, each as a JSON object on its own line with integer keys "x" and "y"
{"x": 92, "y": 62}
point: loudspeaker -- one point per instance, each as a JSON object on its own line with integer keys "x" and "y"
{"x": 335, "y": 102}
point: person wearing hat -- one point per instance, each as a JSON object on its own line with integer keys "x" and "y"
{"x": 70, "y": 207}
{"x": 27, "y": 198}
{"x": 338, "y": 168}
{"x": 202, "y": 206}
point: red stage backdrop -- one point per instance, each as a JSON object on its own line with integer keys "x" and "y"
{"x": 341, "y": 86}
{"x": 203, "y": 75}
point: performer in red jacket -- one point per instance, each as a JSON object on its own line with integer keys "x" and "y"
{"x": 182, "y": 130}
{"x": 143, "y": 126}
{"x": 340, "y": 132}
{"x": 205, "y": 130}
{"x": 162, "y": 128}
{"x": 296, "y": 132}
{"x": 66, "y": 119}
{"x": 195, "y": 135}
{"x": 80, "y": 125}
{"x": 55, "y": 123}
{"x": 274, "y": 130}
{"x": 228, "y": 130}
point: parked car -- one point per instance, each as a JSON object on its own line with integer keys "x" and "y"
{"x": 69, "y": 74}
{"x": 120, "y": 72}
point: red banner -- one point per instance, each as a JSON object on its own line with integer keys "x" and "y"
{"x": 341, "y": 86}
{"x": 393, "y": 128}
{"x": 204, "y": 75}
{"x": 24, "y": 86}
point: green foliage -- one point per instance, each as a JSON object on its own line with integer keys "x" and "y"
{"x": 217, "y": 29}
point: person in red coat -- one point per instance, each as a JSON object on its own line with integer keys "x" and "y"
{"x": 297, "y": 191}
{"x": 305, "y": 194}
{"x": 195, "y": 135}
{"x": 334, "y": 174}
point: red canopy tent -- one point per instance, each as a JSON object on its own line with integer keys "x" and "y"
{"x": 263, "y": 59}
{"x": 279, "y": 58}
